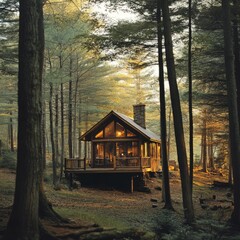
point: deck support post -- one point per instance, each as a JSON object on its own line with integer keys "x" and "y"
{"x": 132, "y": 184}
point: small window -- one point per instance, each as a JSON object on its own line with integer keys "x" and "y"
{"x": 109, "y": 130}
{"x": 120, "y": 130}
{"x": 99, "y": 135}
{"x": 130, "y": 134}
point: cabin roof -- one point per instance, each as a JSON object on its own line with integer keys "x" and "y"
{"x": 129, "y": 121}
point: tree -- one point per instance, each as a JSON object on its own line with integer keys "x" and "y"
{"x": 190, "y": 110}
{"x": 233, "y": 110}
{"x": 24, "y": 221}
{"x": 8, "y": 71}
{"x": 177, "y": 116}
{"x": 166, "y": 185}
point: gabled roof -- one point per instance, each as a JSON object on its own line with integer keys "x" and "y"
{"x": 130, "y": 122}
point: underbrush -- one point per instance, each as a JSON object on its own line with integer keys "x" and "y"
{"x": 172, "y": 227}
{"x": 8, "y": 160}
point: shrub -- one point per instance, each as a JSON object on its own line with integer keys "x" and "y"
{"x": 9, "y": 160}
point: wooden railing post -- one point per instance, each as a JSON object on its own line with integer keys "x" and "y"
{"x": 85, "y": 163}
{"x": 141, "y": 162}
{"x": 114, "y": 163}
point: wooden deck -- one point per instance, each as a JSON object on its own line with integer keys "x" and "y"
{"x": 128, "y": 165}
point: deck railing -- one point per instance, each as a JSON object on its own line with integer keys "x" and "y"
{"x": 116, "y": 163}
{"x": 74, "y": 163}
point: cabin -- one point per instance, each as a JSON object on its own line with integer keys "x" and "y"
{"x": 119, "y": 148}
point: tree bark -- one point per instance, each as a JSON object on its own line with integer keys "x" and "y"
{"x": 70, "y": 113}
{"x": 54, "y": 165}
{"x": 62, "y": 132}
{"x": 177, "y": 116}
{"x": 236, "y": 49}
{"x": 204, "y": 142}
{"x": 11, "y": 138}
{"x": 190, "y": 111}
{"x": 163, "y": 125}
{"x": 56, "y": 128}
{"x": 233, "y": 110}
{"x": 24, "y": 223}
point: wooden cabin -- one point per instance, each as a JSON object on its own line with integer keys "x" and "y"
{"x": 118, "y": 144}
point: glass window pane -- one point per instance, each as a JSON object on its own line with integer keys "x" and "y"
{"x": 130, "y": 134}
{"x": 120, "y": 149}
{"x": 99, "y": 150}
{"x": 109, "y": 130}
{"x": 99, "y": 135}
{"x": 132, "y": 149}
{"x": 120, "y": 130}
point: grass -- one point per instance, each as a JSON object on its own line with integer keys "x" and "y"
{"x": 92, "y": 217}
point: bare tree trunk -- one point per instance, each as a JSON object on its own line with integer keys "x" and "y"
{"x": 75, "y": 113}
{"x": 24, "y": 221}
{"x": 190, "y": 111}
{"x": 56, "y": 128}
{"x": 177, "y": 116}
{"x": 54, "y": 164}
{"x": 233, "y": 109}
{"x": 210, "y": 149}
{"x": 70, "y": 113}
{"x": 62, "y": 132}
{"x": 11, "y": 138}
{"x": 163, "y": 125}
{"x": 236, "y": 9}
{"x": 79, "y": 130}
{"x": 62, "y": 121}
{"x": 204, "y": 143}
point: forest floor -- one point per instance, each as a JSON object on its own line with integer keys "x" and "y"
{"x": 114, "y": 214}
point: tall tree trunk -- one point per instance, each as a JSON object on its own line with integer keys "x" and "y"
{"x": 210, "y": 149}
{"x": 204, "y": 142}
{"x": 177, "y": 116}
{"x": 56, "y": 128}
{"x": 166, "y": 185}
{"x": 43, "y": 121}
{"x": 75, "y": 113}
{"x": 62, "y": 132}
{"x": 24, "y": 222}
{"x": 236, "y": 9}
{"x": 54, "y": 164}
{"x": 62, "y": 120}
{"x": 190, "y": 112}
{"x": 11, "y": 134}
{"x": 233, "y": 110}
{"x": 79, "y": 129}
{"x": 70, "y": 113}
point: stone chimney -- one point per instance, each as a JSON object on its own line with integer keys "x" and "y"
{"x": 139, "y": 114}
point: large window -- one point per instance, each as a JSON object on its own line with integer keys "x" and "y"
{"x": 109, "y": 130}
{"x": 114, "y": 130}
{"x": 120, "y": 130}
{"x": 127, "y": 149}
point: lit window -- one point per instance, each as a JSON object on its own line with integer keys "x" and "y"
{"x": 120, "y": 130}
{"x": 109, "y": 130}
{"x": 99, "y": 135}
{"x": 130, "y": 134}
